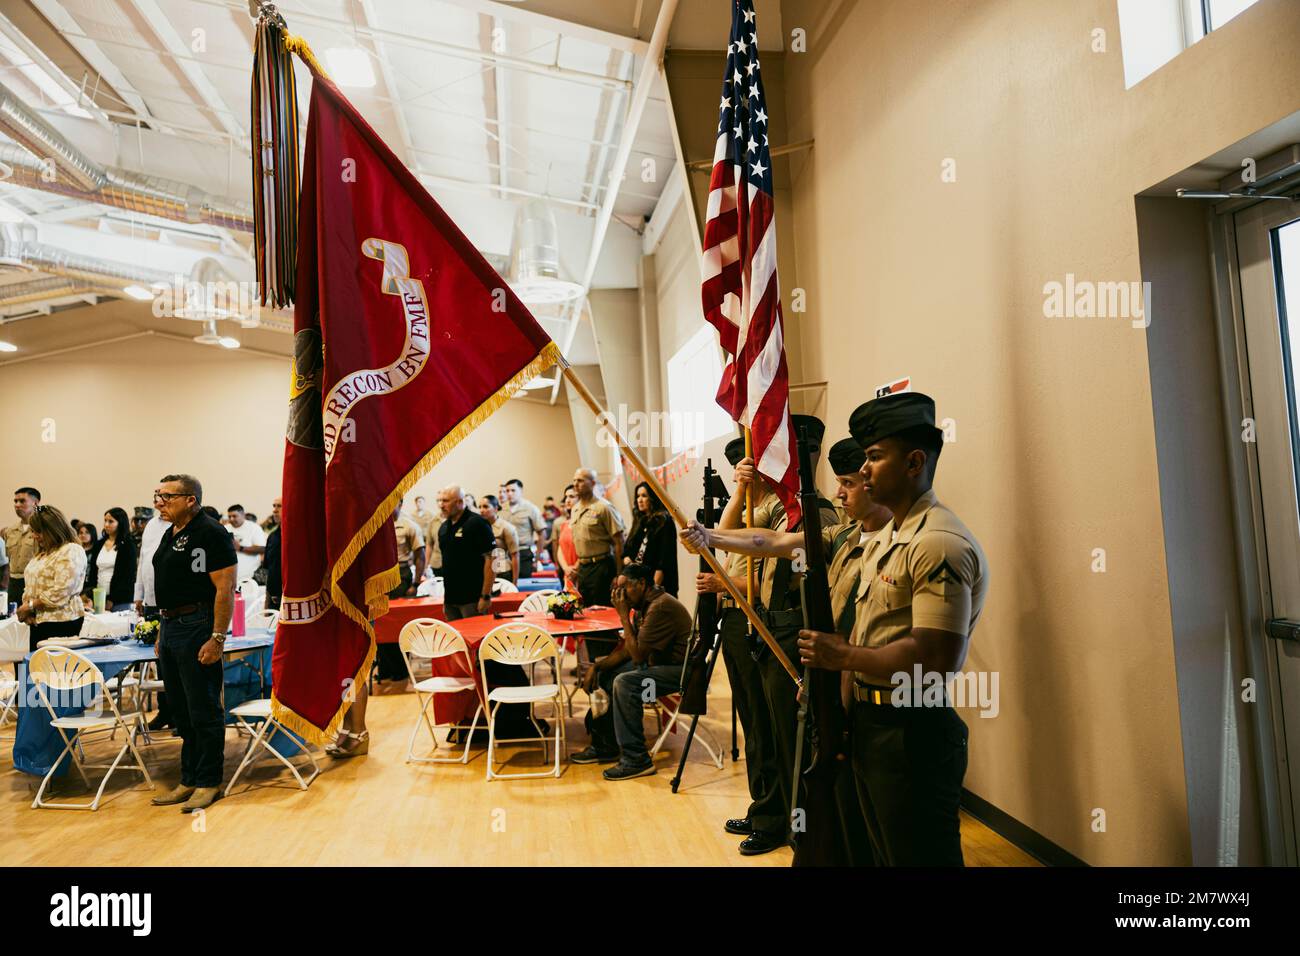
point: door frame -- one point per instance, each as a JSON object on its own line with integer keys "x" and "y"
{"x": 1279, "y": 807}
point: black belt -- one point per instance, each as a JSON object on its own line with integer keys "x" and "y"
{"x": 171, "y": 612}
{"x": 870, "y": 694}
{"x": 603, "y": 557}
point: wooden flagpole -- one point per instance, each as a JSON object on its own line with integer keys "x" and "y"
{"x": 649, "y": 477}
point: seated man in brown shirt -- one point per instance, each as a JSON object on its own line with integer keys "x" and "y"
{"x": 648, "y": 664}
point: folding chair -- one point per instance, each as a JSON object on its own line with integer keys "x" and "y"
{"x": 61, "y": 669}
{"x": 502, "y": 586}
{"x": 267, "y": 618}
{"x": 260, "y": 736}
{"x": 8, "y": 700}
{"x": 670, "y": 705}
{"x": 536, "y": 603}
{"x": 522, "y": 644}
{"x": 427, "y": 639}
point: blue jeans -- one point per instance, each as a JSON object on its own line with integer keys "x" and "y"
{"x": 194, "y": 696}
{"x": 634, "y": 686}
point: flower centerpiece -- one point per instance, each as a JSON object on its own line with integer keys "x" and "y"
{"x": 146, "y": 632}
{"x": 565, "y": 606}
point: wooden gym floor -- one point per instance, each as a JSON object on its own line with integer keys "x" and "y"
{"x": 378, "y": 810}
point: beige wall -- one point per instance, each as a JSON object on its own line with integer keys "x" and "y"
{"x": 1054, "y": 456}
{"x": 126, "y": 413}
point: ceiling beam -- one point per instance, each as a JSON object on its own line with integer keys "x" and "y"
{"x": 651, "y": 67}
{"x": 95, "y": 57}
{"x": 390, "y": 84}
{"x": 51, "y": 69}
{"x": 501, "y": 111}
{"x": 192, "y": 68}
{"x": 541, "y": 21}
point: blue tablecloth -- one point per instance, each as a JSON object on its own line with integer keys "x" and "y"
{"x": 540, "y": 584}
{"x": 37, "y": 744}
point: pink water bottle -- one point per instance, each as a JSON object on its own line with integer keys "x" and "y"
{"x": 237, "y": 616}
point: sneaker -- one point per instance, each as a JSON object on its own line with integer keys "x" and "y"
{"x": 625, "y": 772}
{"x": 592, "y": 755}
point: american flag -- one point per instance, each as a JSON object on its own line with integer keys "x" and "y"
{"x": 742, "y": 298}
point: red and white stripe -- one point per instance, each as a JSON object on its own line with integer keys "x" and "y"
{"x": 742, "y": 300}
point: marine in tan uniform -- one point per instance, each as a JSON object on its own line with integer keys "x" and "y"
{"x": 505, "y": 556}
{"x": 598, "y": 540}
{"x": 20, "y": 542}
{"x": 843, "y": 545}
{"x": 429, "y": 522}
{"x": 923, "y": 582}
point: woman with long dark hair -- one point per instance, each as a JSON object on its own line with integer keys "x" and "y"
{"x": 52, "y": 602}
{"x": 653, "y": 539}
{"x": 87, "y": 537}
{"x": 112, "y": 563}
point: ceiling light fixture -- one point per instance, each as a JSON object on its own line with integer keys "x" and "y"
{"x": 228, "y": 342}
{"x": 138, "y": 292}
{"x": 350, "y": 66}
{"x": 8, "y": 347}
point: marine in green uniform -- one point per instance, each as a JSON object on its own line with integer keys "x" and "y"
{"x": 923, "y": 582}
{"x": 843, "y": 544}
{"x": 765, "y": 815}
{"x": 780, "y": 606}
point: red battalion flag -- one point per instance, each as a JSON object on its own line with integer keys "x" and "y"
{"x": 405, "y": 340}
{"x": 741, "y": 296}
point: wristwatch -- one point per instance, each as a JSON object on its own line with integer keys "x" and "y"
{"x": 219, "y": 638}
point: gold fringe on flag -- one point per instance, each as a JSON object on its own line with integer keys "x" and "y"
{"x": 377, "y": 587}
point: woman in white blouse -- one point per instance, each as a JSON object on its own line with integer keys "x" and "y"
{"x": 112, "y": 562}
{"x": 52, "y": 603}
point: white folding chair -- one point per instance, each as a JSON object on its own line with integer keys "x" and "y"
{"x": 502, "y": 586}
{"x": 60, "y": 669}
{"x": 427, "y": 639}
{"x": 8, "y": 700}
{"x": 260, "y": 734}
{"x": 670, "y": 705}
{"x": 522, "y": 644}
{"x": 536, "y": 602}
{"x": 267, "y": 617}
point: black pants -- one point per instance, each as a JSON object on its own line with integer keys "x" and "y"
{"x": 194, "y": 692}
{"x": 164, "y": 716}
{"x": 39, "y": 632}
{"x": 745, "y": 676}
{"x": 525, "y": 562}
{"x": 594, "y": 582}
{"x": 782, "y": 705}
{"x": 908, "y": 764}
{"x": 388, "y": 657}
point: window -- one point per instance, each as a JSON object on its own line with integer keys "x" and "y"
{"x": 693, "y": 377}
{"x": 1153, "y": 32}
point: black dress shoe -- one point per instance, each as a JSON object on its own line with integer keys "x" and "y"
{"x": 592, "y": 755}
{"x": 159, "y": 723}
{"x": 757, "y": 843}
{"x": 742, "y": 826}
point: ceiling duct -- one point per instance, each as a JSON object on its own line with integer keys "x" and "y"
{"x": 79, "y": 177}
{"x": 43, "y": 290}
{"x": 535, "y": 257}
{"x": 18, "y": 247}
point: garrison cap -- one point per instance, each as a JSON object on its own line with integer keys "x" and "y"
{"x": 890, "y": 415}
{"x": 735, "y": 451}
{"x": 846, "y": 457}
{"x": 815, "y": 426}
{"x": 143, "y": 512}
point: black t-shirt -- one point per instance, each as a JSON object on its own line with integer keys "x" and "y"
{"x": 271, "y": 561}
{"x": 184, "y": 560}
{"x": 464, "y": 544}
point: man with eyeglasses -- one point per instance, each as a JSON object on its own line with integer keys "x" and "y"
{"x": 194, "y": 578}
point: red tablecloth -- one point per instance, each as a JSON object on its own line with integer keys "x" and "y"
{"x": 459, "y": 708}
{"x": 401, "y": 610}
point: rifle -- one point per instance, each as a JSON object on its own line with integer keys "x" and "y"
{"x": 703, "y": 651}
{"x": 821, "y": 842}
